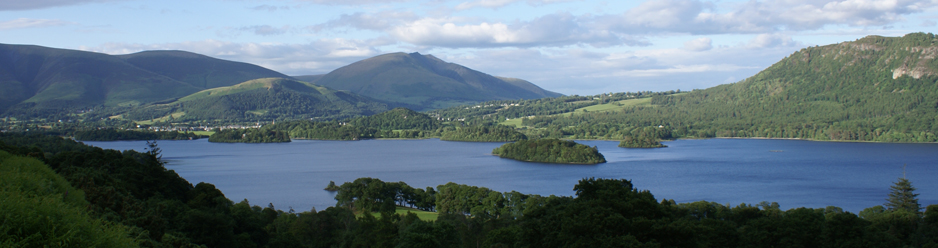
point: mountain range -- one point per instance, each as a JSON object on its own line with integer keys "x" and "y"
{"x": 40, "y": 81}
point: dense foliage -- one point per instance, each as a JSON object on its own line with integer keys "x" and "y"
{"x": 550, "y": 151}
{"x": 397, "y": 119}
{"x": 131, "y": 193}
{"x": 40, "y": 209}
{"x": 111, "y": 134}
{"x": 640, "y": 142}
{"x": 496, "y": 133}
{"x": 249, "y": 135}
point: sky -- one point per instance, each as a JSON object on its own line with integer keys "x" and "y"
{"x": 573, "y": 47}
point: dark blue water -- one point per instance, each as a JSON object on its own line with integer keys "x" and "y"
{"x": 794, "y": 173}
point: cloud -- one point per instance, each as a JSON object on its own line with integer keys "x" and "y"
{"x": 351, "y": 2}
{"x": 552, "y": 30}
{"x": 41, "y": 4}
{"x": 495, "y": 4}
{"x": 699, "y": 44}
{"x": 367, "y": 21}
{"x": 771, "y": 40}
{"x": 31, "y": 23}
{"x": 269, "y": 8}
{"x": 265, "y": 30}
{"x": 699, "y": 17}
{"x": 929, "y": 23}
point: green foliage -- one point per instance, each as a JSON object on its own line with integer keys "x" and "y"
{"x": 550, "y": 151}
{"x": 110, "y": 134}
{"x": 249, "y": 135}
{"x": 902, "y": 196}
{"x": 397, "y": 119}
{"x": 40, "y": 209}
{"x": 484, "y": 134}
{"x": 640, "y": 142}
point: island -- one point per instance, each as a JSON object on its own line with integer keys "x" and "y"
{"x": 550, "y": 151}
{"x": 640, "y": 142}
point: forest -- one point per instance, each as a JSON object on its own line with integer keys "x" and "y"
{"x": 111, "y": 134}
{"x": 640, "y": 142}
{"x": 497, "y": 133}
{"x": 91, "y": 197}
{"x": 249, "y": 135}
{"x": 550, "y": 151}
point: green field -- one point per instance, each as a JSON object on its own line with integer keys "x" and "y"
{"x": 423, "y": 215}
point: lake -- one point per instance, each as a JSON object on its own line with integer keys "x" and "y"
{"x": 794, "y": 173}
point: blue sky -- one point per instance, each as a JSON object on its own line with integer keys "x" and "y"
{"x": 568, "y": 46}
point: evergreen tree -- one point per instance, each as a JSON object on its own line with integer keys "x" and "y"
{"x": 902, "y": 197}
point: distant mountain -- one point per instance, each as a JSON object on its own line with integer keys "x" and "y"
{"x": 262, "y": 99}
{"x": 36, "y": 80}
{"x": 426, "y": 82}
{"x": 198, "y": 70}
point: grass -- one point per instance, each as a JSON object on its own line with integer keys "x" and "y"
{"x": 423, "y": 215}
{"x": 163, "y": 119}
{"x": 206, "y": 133}
{"x": 516, "y": 122}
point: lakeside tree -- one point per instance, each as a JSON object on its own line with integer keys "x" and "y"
{"x": 902, "y": 196}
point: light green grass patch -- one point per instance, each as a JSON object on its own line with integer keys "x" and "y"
{"x": 423, "y": 215}
{"x": 206, "y": 133}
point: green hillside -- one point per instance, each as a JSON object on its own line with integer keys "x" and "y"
{"x": 872, "y": 89}
{"x": 38, "y": 79}
{"x": 425, "y": 82}
{"x": 198, "y": 70}
{"x": 262, "y": 99}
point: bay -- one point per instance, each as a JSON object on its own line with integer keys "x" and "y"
{"x": 794, "y": 173}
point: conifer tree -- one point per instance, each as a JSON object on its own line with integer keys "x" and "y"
{"x": 902, "y": 197}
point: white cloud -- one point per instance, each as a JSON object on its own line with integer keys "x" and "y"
{"x": 547, "y": 31}
{"x": 30, "y": 23}
{"x": 771, "y": 40}
{"x": 699, "y": 44}
{"x": 495, "y": 4}
{"x": 379, "y": 21}
{"x": 265, "y": 30}
{"x": 700, "y": 17}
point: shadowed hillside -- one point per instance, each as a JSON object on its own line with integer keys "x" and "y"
{"x": 263, "y": 99}
{"x": 198, "y": 70}
{"x": 426, "y": 82}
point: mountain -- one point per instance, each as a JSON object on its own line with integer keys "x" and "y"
{"x": 309, "y": 78}
{"x": 262, "y": 99}
{"x": 198, "y": 70}
{"x": 36, "y": 80}
{"x": 872, "y": 89}
{"x": 426, "y": 82}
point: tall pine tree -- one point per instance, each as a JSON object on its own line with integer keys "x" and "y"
{"x": 902, "y": 197}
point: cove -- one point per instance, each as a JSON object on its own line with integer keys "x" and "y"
{"x": 794, "y": 173}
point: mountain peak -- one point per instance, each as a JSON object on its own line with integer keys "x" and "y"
{"x": 423, "y": 81}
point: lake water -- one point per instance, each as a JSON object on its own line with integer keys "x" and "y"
{"x": 794, "y": 173}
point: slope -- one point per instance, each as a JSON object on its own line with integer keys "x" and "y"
{"x": 263, "y": 99}
{"x": 198, "y": 70}
{"x": 872, "y": 89}
{"x": 37, "y": 79}
{"x": 425, "y": 82}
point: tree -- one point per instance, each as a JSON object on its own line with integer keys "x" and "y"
{"x": 902, "y": 197}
